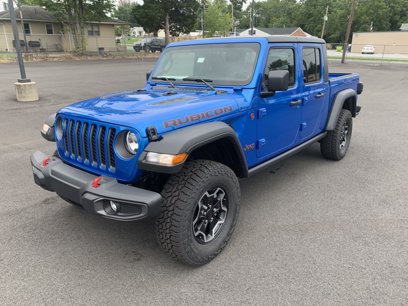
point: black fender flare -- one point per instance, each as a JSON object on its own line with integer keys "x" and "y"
{"x": 338, "y": 103}
{"x": 186, "y": 140}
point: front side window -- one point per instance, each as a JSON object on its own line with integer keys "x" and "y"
{"x": 311, "y": 65}
{"x": 49, "y": 28}
{"x": 93, "y": 30}
{"x": 223, "y": 64}
{"x": 281, "y": 59}
{"x": 27, "y": 29}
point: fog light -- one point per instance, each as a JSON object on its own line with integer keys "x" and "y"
{"x": 114, "y": 206}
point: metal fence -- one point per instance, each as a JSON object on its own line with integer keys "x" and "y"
{"x": 37, "y": 43}
{"x": 375, "y": 52}
{"x": 45, "y": 43}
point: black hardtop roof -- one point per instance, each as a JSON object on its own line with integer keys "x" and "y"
{"x": 294, "y": 39}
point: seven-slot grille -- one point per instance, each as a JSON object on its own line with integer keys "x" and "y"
{"x": 89, "y": 143}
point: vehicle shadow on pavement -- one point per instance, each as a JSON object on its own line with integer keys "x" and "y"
{"x": 98, "y": 243}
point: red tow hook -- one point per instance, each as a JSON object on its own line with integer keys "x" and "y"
{"x": 45, "y": 161}
{"x": 97, "y": 182}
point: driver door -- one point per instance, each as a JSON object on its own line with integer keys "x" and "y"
{"x": 279, "y": 115}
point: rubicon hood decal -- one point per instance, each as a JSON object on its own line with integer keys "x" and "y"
{"x": 197, "y": 117}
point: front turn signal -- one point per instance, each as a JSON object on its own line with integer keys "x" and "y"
{"x": 166, "y": 159}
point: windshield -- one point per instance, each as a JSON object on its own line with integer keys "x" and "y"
{"x": 224, "y": 64}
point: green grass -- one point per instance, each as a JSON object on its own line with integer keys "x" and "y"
{"x": 132, "y": 40}
{"x": 7, "y": 57}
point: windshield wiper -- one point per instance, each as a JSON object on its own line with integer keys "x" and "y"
{"x": 205, "y": 81}
{"x": 162, "y": 78}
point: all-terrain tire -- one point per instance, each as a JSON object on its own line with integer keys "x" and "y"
{"x": 183, "y": 195}
{"x": 335, "y": 145}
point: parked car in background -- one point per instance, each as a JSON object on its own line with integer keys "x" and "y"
{"x": 368, "y": 49}
{"x": 142, "y": 44}
{"x": 156, "y": 44}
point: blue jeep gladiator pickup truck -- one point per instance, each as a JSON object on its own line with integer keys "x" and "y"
{"x": 212, "y": 111}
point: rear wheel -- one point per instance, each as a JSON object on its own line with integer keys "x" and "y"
{"x": 199, "y": 212}
{"x": 335, "y": 145}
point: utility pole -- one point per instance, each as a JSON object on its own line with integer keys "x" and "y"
{"x": 26, "y": 90}
{"x": 203, "y": 5}
{"x": 232, "y": 17}
{"x": 325, "y": 18}
{"x": 252, "y": 17}
{"x": 350, "y": 23}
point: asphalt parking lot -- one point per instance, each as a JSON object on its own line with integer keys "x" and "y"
{"x": 310, "y": 231}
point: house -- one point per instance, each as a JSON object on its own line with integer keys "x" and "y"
{"x": 137, "y": 32}
{"x": 262, "y": 32}
{"x": 3, "y": 5}
{"x": 44, "y": 32}
{"x": 404, "y": 27}
{"x": 384, "y": 42}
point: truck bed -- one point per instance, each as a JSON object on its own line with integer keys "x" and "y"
{"x": 341, "y": 81}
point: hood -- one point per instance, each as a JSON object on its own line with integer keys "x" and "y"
{"x": 165, "y": 109}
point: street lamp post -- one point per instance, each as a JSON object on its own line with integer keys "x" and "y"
{"x": 22, "y": 26}
{"x": 26, "y": 90}
{"x": 17, "y": 43}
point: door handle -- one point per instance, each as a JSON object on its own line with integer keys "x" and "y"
{"x": 319, "y": 95}
{"x": 296, "y": 103}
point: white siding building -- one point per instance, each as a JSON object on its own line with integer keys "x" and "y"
{"x": 3, "y": 5}
{"x": 264, "y": 32}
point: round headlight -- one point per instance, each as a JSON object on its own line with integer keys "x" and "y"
{"x": 58, "y": 129}
{"x": 132, "y": 145}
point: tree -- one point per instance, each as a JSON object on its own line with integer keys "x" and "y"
{"x": 124, "y": 11}
{"x": 237, "y": 6}
{"x": 276, "y": 13}
{"x": 175, "y": 16}
{"x": 76, "y": 13}
{"x": 398, "y": 13}
{"x": 339, "y": 12}
{"x": 218, "y": 18}
{"x": 376, "y": 12}
{"x": 311, "y": 13}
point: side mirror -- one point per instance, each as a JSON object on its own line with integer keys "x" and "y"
{"x": 148, "y": 75}
{"x": 278, "y": 80}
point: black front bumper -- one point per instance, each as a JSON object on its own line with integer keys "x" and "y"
{"x": 94, "y": 193}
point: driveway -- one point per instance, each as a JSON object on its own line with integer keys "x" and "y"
{"x": 310, "y": 232}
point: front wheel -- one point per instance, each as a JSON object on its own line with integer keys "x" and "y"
{"x": 335, "y": 145}
{"x": 199, "y": 212}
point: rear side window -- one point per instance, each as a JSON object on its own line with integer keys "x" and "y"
{"x": 281, "y": 59}
{"x": 312, "y": 68}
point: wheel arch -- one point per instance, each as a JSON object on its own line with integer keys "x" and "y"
{"x": 215, "y": 141}
{"x": 345, "y": 99}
